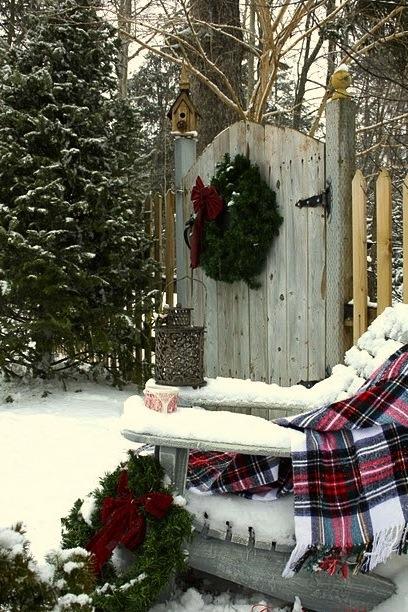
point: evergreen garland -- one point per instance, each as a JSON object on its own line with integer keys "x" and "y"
{"x": 155, "y": 561}
{"x": 236, "y": 244}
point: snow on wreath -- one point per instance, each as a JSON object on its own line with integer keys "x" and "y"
{"x": 136, "y": 530}
{"x": 235, "y": 221}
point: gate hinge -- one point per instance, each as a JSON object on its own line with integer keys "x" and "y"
{"x": 321, "y": 199}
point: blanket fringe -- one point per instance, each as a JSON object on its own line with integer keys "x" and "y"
{"x": 297, "y": 558}
{"x": 385, "y": 542}
{"x": 362, "y": 558}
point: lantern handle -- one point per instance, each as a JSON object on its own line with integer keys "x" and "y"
{"x": 197, "y": 280}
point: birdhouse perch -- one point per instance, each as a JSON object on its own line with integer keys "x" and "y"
{"x": 183, "y": 114}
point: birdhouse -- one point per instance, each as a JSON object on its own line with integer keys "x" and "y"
{"x": 183, "y": 114}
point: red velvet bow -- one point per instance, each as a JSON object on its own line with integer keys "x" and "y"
{"x": 123, "y": 522}
{"x": 207, "y": 204}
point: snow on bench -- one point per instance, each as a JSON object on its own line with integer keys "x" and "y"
{"x": 205, "y": 430}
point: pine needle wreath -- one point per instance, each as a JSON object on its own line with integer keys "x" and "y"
{"x": 236, "y": 244}
{"x": 153, "y": 564}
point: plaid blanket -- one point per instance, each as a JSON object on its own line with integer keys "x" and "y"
{"x": 350, "y": 476}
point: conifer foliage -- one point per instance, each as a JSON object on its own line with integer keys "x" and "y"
{"x": 73, "y": 261}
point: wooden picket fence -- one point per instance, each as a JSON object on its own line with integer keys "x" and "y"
{"x": 159, "y": 215}
{"x": 159, "y": 218}
{"x": 383, "y": 203}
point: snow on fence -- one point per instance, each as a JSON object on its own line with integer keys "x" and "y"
{"x": 383, "y": 200}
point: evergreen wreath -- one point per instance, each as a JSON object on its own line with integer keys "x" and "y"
{"x": 236, "y": 243}
{"x": 160, "y": 555}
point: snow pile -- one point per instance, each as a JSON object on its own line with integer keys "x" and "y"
{"x": 193, "y": 601}
{"x": 212, "y": 426}
{"x": 271, "y": 521}
{"x": 53, "y": 450}
{"x": 236, "y": 392}
{"x": 385, "y": 335}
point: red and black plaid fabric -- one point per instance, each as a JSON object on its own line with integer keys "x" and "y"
{"x": 246, "y": 475}
{"x": 350, "y": 473}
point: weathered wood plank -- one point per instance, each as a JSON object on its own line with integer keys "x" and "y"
{"x": 240, "y": 329}
{"x": 316, "y": 283}
{"x": 209, "y": 290}
{"x": 262, "y": 572}
{"x": 196, "y": 284}
{"x": 219, "y": 357}
{"x": 360, "y": 281}
{"x": 170, "y": 252}
{"x": 236, "y": 295}
{"x": 205, "y": 445}
{"x": 276, "y": 265}
{"x": 258, "y": 298}
{"x": 296, "y": 221}
{"x": 340, "y": 168}
{"x": 384, "y": 241}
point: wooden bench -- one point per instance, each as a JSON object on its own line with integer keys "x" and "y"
{"x": 248, "y": 560}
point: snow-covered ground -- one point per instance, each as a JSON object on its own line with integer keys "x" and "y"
{"x": 53, "y": 450}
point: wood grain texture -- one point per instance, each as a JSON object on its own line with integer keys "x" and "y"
{"x": 205, "y": 445}
{"x": 170, "y": 251}
{"x": 261, "y": 570}
{"x": 340, "y": 168}
{"x": 275, "y": 333}
{"x": 384, "y": 240}
{"x": 360, "y": 281}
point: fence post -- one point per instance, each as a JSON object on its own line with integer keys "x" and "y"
{"x": 405, "y": 239}
{"x": 360, "y": 284}
{"x": 148, "y": 315}
{"x": 184, "y": 117}
{"x": 384, "y": 240}
{"x": 158, "y": 246}
{"x": 169, "y": 252}
{"x": 340, "y": 167}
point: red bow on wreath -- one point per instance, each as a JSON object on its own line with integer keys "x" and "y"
{"x": 207, "y": 204}
{"x": 123, "y": 522}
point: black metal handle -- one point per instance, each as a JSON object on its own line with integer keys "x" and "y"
{"x": 187, "y": 228}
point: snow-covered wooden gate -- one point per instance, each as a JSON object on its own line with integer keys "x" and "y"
{"x": 276, "y": 333}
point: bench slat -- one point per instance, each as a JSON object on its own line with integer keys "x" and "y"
{"x": 205, "y": 445}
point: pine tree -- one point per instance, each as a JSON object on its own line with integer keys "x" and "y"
{"x": 153, "y": 88}
{"x": 73, "y": 262}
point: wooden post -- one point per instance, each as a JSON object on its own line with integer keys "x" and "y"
{"x": 185, "y": 152}
{"x": 184, "y": 117}
{"x": 158, "y": 227}
{"x": 170, "y": 252}
{"x": 148, "y": 315}
{"x": 384, "y": 241}
{"x": 360, "y": 284}
{"x": 340, "y": 168}
{"x": 405, "y": 239}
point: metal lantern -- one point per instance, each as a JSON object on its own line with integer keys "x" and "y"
{"x": 179, "y": 352}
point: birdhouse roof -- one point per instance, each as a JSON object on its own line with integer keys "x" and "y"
{"x": 183, "y": 97}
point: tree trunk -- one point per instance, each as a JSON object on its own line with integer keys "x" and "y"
{"x": 124, "y": 15}
{"x": 227, "y": 55}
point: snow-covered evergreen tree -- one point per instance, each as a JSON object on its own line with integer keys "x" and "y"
{"x": 73, "y": 261}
